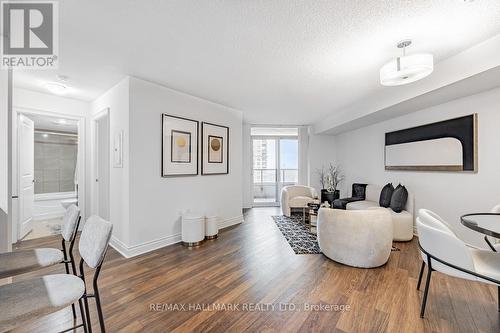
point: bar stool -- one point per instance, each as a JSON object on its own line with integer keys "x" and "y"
{"x": 34, "y": 298}
{"x": 19, "y": 262}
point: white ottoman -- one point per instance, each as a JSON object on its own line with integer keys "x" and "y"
{"x": 211, "y": 227}
{"x": 193, "y": 230}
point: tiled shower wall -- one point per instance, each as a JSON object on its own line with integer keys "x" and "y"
{"x": 55, "y": 162}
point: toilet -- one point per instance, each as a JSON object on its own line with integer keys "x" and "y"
{"x": 68, "y": 202}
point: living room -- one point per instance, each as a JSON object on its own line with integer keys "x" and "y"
{"x": 250, "y": 166}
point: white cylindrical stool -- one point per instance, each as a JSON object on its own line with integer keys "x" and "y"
{"x": 193, "y": 230}
{"x": 211, "y": 227}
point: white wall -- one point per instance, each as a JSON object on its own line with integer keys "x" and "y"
{"x": 31, "y": 101}
{"x": 449, "y": 194}
{"x": 321, "y": 152}
{"x": 117, "y": 100}
{"x": 156, "y": 203}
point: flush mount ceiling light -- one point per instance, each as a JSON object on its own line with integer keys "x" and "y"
{"x": 407, "y": 68}
{"x": 59, "y": 86}
{"x": 56, "y": 88}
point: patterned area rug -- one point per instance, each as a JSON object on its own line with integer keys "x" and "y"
{"x": 297, "y": 234}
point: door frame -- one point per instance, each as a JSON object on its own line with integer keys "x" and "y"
{"x": 82, "y": 188}
{"x": 94, "y": 160}
{"x": 278, "y": 186}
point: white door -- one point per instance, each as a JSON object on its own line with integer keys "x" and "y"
{"x": 26, "y": 174}
{"x": 101, "y": 167}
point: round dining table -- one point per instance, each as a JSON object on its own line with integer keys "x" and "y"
{"x": 485, "y": 223}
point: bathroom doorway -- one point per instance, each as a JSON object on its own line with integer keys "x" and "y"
{"x": 46, "y": 179}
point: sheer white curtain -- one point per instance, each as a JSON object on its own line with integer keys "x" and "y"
{"x": 303, "y": 147}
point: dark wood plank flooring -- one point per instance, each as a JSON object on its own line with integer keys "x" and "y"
{"x": 253, "y": 264}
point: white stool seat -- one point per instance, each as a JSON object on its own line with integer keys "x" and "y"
{"x": 211, "y": 227}
{"x": 193, "y": 229}
{"x": 19, "y": 262}
{"x": 37, "y": 297}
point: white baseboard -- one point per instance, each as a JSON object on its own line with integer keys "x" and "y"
{"x": 135, "y": 250}
{"x": 231, "y": 221}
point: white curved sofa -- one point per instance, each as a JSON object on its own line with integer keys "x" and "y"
{"x": 356, "y": 238}
{"x": 403, "y": 222}
{"x": 296, "y": 196}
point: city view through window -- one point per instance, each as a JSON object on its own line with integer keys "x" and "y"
{"x": 275, "y": 164}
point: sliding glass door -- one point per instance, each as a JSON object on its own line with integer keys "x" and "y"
{"x": 275, "y": 164}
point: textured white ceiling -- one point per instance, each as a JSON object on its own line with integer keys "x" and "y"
{"x": 280, "y": 62}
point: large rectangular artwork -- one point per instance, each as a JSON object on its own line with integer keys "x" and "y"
{"x": 449, "y": 145}
{"x": 215, "y": 149}
{"x": 179, "y": 146}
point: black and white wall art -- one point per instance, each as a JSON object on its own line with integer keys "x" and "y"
{"x": 215, "y": 149}
{"x": 179, "y": 146}
{"x": 449, "y": 145}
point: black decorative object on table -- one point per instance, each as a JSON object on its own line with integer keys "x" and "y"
{"x": 386, "y": 195}
{"x": 399, "y": 198}
{"x": 329, "y": 196}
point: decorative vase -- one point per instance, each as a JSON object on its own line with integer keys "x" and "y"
{"x": 329, "y": 196}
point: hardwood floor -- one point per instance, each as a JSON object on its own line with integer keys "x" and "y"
{"x": 253, "y": 264}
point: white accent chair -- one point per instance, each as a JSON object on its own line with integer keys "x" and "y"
{"x": 360, "y": 238}
{"x": 403, "y": 221}
{"x": 443, "y": 251}
{"x": 296, "y": 196}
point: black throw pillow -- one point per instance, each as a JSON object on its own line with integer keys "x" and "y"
{"x": 398, "y": 199}
{"x": 386, "y": 195}
{"x": 358, "y": 190}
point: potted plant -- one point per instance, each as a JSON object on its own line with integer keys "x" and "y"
{"x": 329, "y": 180}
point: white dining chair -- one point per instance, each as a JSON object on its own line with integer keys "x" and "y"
{"x": 443, "y": 251}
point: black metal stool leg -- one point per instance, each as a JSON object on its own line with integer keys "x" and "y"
{"x": 98, "y": 300}
{"x": 82, "y": 313}
{"x": 99, "y": 311}
{"x": 66, "y": 266}
{"x": 420, "y": 275}
{"x": 427, "y": 284}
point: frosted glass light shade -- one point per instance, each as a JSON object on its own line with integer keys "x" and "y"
{"x": 56, "y": 88}
{"x": 411, "y": 68}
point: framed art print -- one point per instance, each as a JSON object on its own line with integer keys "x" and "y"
{"x": 215, "y": 149}
{"x": 179, "y": 146}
